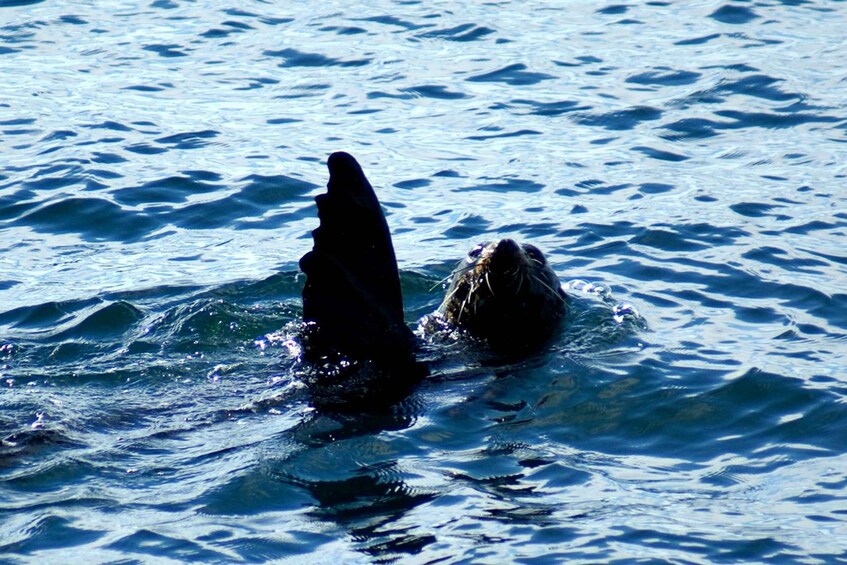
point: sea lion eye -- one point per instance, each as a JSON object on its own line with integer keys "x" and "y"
{"x": 534, "y": 253}
{"x": 474, "y": 253}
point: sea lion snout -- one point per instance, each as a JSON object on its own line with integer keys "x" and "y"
{"x": 506, "y": 251}
{"x": 507, "y": 294}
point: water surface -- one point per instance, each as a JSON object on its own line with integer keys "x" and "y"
{"x": 159, "y": 164}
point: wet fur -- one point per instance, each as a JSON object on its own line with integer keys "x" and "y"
{"x": 507, "y": 295}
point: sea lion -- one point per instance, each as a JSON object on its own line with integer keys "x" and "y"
{"x": 507, "y": 295}
{"x": 504, "y": 294}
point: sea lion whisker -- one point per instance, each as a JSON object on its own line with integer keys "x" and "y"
{"x": 450, "y": 296}
{"x": 455, "y": 275}
{"x": 472, "y": 291}
{"x": 548, "y": 287}
{"x": 463, "y": 270}
{"x": 521, "y": 279}
{"x": 441, "y": 281}
{"x": 488, "y": 284}
{"x": 462, "y": 309}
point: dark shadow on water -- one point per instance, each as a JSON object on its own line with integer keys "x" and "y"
{"x": 347, "y": 464}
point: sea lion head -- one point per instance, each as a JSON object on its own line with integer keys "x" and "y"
{"x": 506, "y": 294}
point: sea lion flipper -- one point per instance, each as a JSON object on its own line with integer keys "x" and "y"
{"x": 352, "y": 292}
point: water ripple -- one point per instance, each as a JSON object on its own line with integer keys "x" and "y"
{"x": 463, "y": 32}
{"x": 513, "y": 75}
{"x": 295, "y": 58}
{"x": 621, "y": 119}
{"x": 679, "y": 165}
{"x": 734, "y": 14}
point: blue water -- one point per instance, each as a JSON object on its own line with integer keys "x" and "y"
{"x": 158, "y": 164}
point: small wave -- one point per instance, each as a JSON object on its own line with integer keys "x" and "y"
{"x": 665, "y": 78}
{"x": 506, "y": 185}
{"x": 228, "y": 28}
{"x": 188, "y": 140}
{"x": 106, "y": 323}
{"x": 620, "y": 120}
{"x": 28, "y": 442}
{"x": 518, "y": 133}
{"x": 513, "y": 75}
{"x": 16, "y": 3}
{"x": 171, "y": 189}
{"x": 461, "y": 33}
{"x": 92, "y": 218}
{"x": 734, "y": 14}
{"x": 662, "y": 155}
{"x": 435, "y": 91}
{"x": 166, "y": 50}
{"x": 295, "y": 58}
{"x": 551, "y": 109}
{"x": 45, "y": 316}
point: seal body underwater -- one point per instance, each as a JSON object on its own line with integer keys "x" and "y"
{"x": 503, "y": 293}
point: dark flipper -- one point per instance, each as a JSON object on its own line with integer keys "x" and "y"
{"x": 352, "y": 292}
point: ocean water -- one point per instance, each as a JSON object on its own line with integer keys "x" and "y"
{"x": 682, "y": 164}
